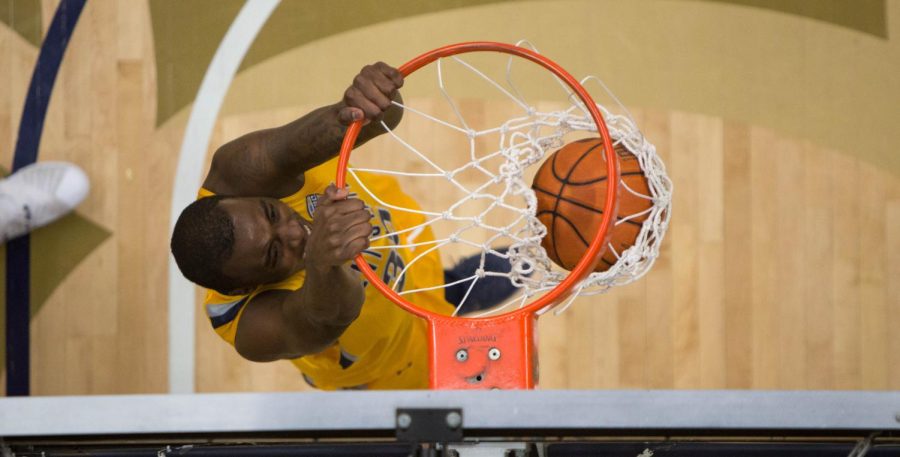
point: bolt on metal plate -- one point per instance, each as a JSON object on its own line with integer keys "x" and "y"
{"x": 429, "y": 425}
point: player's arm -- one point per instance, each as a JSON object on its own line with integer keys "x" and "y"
{"x": 271, "y": 162}
{"x": 289, "y": 324}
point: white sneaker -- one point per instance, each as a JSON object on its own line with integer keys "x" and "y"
{"x": 39, "y": 194}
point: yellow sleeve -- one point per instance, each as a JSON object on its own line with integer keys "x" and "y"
{"x": 224, "y": 313}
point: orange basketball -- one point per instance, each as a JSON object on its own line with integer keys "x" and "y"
{"x": 571, "y": 191}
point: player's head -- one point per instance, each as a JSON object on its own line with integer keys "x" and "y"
{"x": 232, "y": 244}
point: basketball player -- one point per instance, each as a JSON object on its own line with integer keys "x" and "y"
{"x": 272, "y": 240}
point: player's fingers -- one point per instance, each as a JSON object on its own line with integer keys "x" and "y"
{"x": 391, "y": 73}
{"x": 334, "y": 217}
{"x": 383, "y": 81}
{"x": 386, "y": 87}
{"x": 358, "y": 227}
{"x": 350, "y": 205}
{"x": 354, "y": 97}
{"x": 361, "y": 231}
{"x": 332, "y": 195}
{"x": 344, "y": 223}
{"x": 350, "y": 114}
{"x": 370, "y": 86}
{"x": 338, "y": 242}
{"x": 354, "y": 248}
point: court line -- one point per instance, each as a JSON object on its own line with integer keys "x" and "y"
{"x": 219, "y": 75}
{"x": 18, "y": 259}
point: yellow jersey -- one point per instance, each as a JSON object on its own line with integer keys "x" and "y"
{"x": 385, "y": 347}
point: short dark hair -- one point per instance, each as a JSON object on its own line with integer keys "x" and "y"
{"x": 203, "y": 240}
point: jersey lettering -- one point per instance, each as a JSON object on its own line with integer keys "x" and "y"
{"x": 385, "y": 217}
{"x": 393, "y": 266}
{"x": 392, "y": 270}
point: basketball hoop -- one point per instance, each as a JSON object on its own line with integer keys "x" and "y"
{"x": 505, "y": 341}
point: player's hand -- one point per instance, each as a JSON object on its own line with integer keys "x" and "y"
{"x": 340, "y": 229}
{"x": 370, "y": 94}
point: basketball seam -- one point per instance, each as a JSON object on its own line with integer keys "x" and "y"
{"x": 582, "y": 205}
{"x": 601, "y": 179}
{"x": 562, "y": 187}
{"x": 577, "y": 233}
{"x": 572, "y": 168}
{"x": 553, "y": 213}
{"x": 572, "y": 224}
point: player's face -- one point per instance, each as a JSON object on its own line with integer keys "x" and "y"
{"x": 269, "y": 241}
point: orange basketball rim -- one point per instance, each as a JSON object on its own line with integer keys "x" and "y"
{"x": 507, "y": 340}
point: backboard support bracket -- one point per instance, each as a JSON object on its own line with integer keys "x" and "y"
{"x": 430, "y": 425}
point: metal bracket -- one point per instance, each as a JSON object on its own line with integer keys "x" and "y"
{"x": 429, "y": 425}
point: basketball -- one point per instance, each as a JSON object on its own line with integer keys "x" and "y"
{"x": 571, "y": 190}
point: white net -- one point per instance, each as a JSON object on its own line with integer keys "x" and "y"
{"x": 478, "y": 199}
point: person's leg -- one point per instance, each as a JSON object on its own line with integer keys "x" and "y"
{"x": 488, "y": 292}
{"x": 37, "y": 195}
